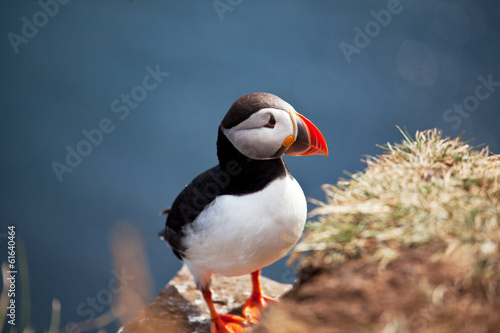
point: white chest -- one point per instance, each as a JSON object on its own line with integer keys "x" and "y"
{"x": 236, "y": 235}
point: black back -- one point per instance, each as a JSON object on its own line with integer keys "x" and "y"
{"x": 236, "y": 174}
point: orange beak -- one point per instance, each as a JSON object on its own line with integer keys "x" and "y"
{"x": 309, "y": 140}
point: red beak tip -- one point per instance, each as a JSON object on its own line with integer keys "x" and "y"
{"x": 317, "y": 143}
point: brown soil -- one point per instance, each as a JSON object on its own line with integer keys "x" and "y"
{"x": 413, "y": 293}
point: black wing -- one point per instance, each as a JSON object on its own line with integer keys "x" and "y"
{"x": 190, "y": 203}
{"x": 239, "y": 175}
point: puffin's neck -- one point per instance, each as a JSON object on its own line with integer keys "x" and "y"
{"x": 246, "y": 175}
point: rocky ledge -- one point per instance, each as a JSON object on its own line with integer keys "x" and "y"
{"x": 180, "y": 308}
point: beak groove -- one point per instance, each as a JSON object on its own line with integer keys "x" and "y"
{"x": 309, "y": 140}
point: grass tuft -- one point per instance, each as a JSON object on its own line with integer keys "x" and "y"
{"x": 424, "y": 190}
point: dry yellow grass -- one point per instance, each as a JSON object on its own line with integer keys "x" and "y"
{"x": 427, "y": 189}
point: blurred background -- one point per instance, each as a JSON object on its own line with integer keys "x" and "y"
{"x": 110, "y": 108}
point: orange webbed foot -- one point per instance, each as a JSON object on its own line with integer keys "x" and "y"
{"x": 257, "y": 301}
{"x": 228, "y": 323}
{"x": 254, "y": 306}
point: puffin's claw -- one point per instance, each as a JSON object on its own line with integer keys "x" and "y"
{"x": 228, "y": 323}
{"x": 254, "y": 306}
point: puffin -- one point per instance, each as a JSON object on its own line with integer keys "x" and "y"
{"x": 248, "y": 211}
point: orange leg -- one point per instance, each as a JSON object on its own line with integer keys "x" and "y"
{"x": 223, "y": 323}
{"x": 257, "y": 301}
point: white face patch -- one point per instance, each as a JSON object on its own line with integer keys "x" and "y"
{"x": 256, "y": 140}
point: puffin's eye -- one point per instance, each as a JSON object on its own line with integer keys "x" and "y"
{"x": 271, "y": 123}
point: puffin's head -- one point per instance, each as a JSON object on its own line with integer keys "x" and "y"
{"x": 263, "y": 126}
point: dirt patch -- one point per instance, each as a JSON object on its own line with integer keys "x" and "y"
{"x": 413, "y": 293}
